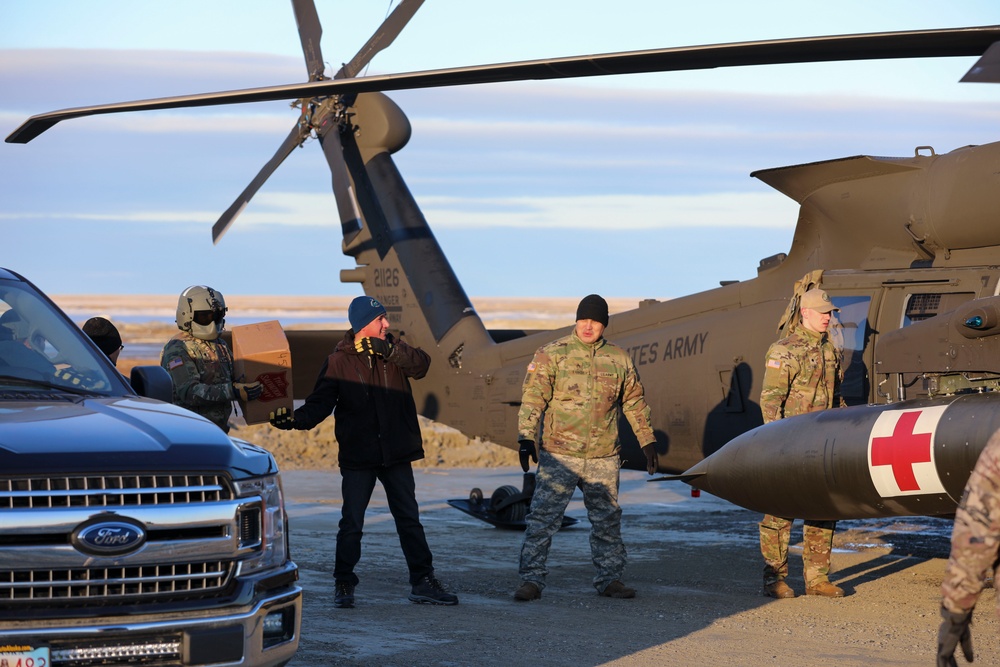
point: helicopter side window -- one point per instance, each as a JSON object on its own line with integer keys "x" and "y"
{"x": 850, "y": 334}
{"x": 921, "y": 307}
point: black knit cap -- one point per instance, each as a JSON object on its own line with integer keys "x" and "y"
{"x": 104, "y": 333}
{"x": 593, "y": 307}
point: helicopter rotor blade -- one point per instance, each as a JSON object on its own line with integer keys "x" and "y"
{"x": 870, "y": 46}
{"x": 328, "y": 129}
{"x": 345, "y": 152}
{"x": 383, "y": 37}
{"x": 310, "y": 33}
{"x": 350, "y": 218}
{"x": 987, "y": 68}
{"x": 291, "y": 142}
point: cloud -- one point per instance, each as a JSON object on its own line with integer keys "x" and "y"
{"x": 765, "y": 211}
{"x": 614, "y": 212}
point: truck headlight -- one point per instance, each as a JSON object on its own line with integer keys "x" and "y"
{"x": 269, "y": 515}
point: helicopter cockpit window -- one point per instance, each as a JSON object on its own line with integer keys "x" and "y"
{"x": 40, "y": 351}
{"x": 850, "y": 334}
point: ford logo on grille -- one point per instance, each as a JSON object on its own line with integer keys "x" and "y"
{"x": 109, "y": 536}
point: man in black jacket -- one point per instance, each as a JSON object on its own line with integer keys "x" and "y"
{"x": 366, "y": 380}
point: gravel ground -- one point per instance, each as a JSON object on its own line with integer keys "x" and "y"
{"x": 694, "y": 561}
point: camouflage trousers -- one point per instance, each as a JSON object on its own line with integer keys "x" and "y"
{"x": 557, "y": 478}
{"x": 817, "y": 543}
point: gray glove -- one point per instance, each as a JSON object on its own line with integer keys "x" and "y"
{"x": 954, "y": 631}
{"x": 525, "y": 449}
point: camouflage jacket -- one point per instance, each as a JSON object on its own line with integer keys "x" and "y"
{"x": 202, "y": 373}
{"x": 578, "y": 389}
{"x": 975, "y": 538}
{"x": 801, "y": 374}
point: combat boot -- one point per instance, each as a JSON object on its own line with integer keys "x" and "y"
{"x": 343, "y": 595}
{"x": 527, "y": 592}
{"x": 616, "y": 589}
{"x": 429, "y": 590}
{"x": 826, "y": 589}
{"x": 779, "y": 589}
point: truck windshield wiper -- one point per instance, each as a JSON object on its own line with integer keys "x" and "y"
{"x": 45, "y": 384}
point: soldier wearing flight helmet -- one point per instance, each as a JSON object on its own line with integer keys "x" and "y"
{"x": 199, "y": 361}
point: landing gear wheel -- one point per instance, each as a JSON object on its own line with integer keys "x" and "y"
{"x": 476, "y": 497}
{"x": 513, "y": 513}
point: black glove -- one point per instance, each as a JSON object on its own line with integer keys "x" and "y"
{"x": 525, "y": 449}
{"x": 283, "y": 419}
{"x": 652, "y": 460}
{"x": 247, "y": 391}
{"x": 954, "y": 630}
{"x": 374, "y": 347}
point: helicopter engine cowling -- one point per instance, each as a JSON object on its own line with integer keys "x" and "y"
{"x": 961, "y": 199}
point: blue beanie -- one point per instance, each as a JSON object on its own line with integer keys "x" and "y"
{"x": 362, "y": 311}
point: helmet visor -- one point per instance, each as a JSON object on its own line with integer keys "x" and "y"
{"x": 206, "y": 317}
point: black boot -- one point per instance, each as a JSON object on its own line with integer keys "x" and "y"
{"x": 431, "y": 591}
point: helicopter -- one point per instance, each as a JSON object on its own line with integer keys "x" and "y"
{"x": 902, "y": 245}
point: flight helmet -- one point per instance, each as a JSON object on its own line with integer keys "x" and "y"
{"x": 201, "y": 311}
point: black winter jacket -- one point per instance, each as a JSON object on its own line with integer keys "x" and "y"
{"x": 376, "y": 418}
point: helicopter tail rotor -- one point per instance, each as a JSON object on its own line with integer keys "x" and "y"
{"x": 327, "y": 117}
{"x": 310, "y": 32}
{"x": 383, "y": 37}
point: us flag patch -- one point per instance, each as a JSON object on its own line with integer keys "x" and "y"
{"x": 531, "y": 367}
{"x": 773, "y": 363}
{"x": 174, "y": 363}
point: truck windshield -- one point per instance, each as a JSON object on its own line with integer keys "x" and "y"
{"x": 40, "y": 350}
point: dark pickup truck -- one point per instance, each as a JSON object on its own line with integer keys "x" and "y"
{"x": 132, "y": 531}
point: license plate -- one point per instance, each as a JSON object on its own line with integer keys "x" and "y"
{"x": 24, "y": 656}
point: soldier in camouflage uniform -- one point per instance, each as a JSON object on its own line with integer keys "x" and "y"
{"x": 199, "y": 361}
{"x": 975, "y": 547}
{"x": 573, "y": 390}
{"x": 802, "y": 374}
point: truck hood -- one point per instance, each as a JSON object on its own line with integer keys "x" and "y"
{"x": 87, "y": 434}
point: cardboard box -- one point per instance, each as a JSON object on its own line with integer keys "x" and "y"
{"x": 260, "y": 353}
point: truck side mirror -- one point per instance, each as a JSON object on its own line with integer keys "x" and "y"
{"x": 152, "y": 382}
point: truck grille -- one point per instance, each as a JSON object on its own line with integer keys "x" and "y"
{"x": 43, "y": 583}
{"x": 110, "y": 585}
{"x": 112, "y": 490}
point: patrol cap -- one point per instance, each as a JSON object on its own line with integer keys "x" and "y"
{"x": 816, "y": 299}
{"x": 363, "y": 310}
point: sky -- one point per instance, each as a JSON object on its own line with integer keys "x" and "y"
{"x": 628, "y": 186}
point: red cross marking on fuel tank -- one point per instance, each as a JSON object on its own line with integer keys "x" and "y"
{"x": 902, "y": 449}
